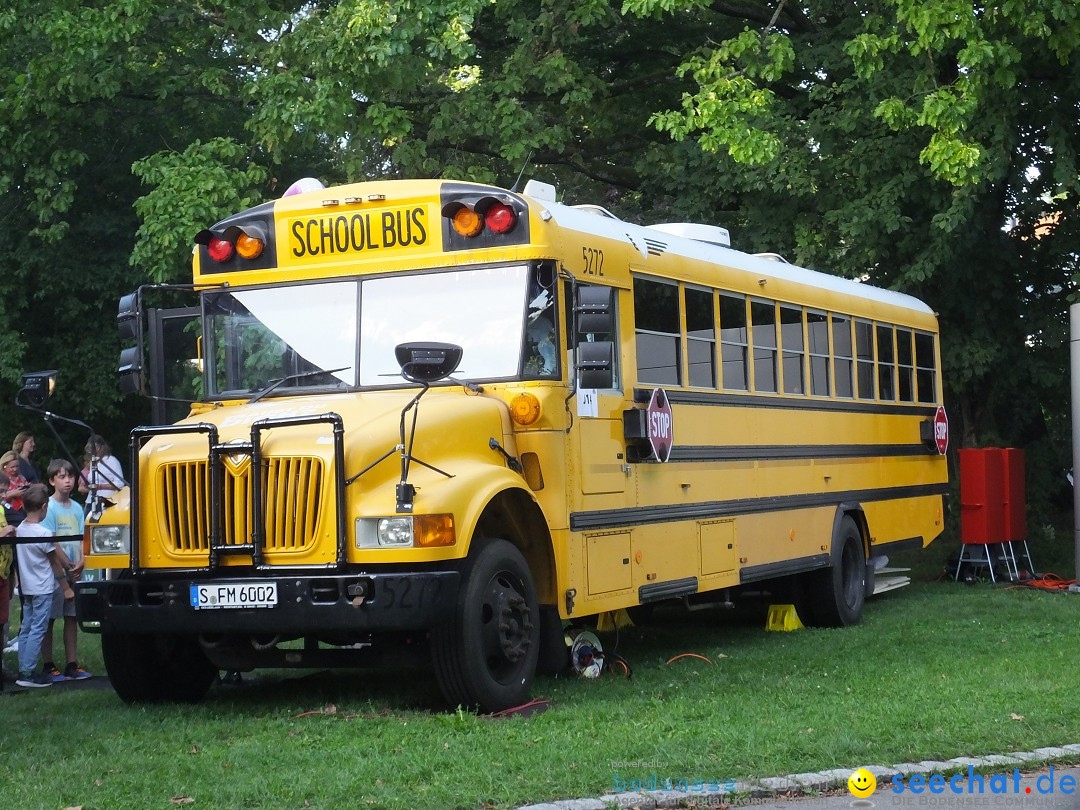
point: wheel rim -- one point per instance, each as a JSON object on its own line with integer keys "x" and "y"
{"x": 506, "y": 626}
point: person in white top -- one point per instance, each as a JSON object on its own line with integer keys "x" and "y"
{"x": 42, "y": 568}
{"x": 102, "y": 476}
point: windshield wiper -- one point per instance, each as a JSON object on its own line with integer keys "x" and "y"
{"x": 291, "y": 377}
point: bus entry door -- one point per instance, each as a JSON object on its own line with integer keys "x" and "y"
{"x": 601, "y": 447}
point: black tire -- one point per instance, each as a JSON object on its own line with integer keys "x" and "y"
{"x": 485, "y": 652}
{"x": 554, "y": 655}
{"x": 836, "y": 594}
{"x": 156, "y": 668}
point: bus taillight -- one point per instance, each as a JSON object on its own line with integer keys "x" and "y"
{"x": 220, "y": 250}
{"x": 467, "y": 222}
{"x": 500, "y": 218}
{"x": 250, "y": 247}
{"x": 225, "y": 245}
{"x": 487, "y": 213}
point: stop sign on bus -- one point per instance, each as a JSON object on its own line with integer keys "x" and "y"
{"x": 941, "y": 430}
{"x": 659, "y": 425}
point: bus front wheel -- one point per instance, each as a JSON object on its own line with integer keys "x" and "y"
{"x": 836, "y": 594}
{"x": 151, "y": 668}
{"x": 485, "y": 652}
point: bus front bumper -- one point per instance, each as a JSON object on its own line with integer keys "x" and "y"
{"x": 301, "y": 604}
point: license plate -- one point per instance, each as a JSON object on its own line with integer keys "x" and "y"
{"x": 234, "y": 595}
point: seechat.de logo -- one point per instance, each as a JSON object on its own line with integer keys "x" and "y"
{"x": 862, "y": 783}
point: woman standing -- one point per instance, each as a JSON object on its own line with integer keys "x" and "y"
{"x": 24, "y": 445}
{"x": 102, "y": 476}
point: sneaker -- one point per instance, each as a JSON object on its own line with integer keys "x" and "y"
{"x": 54, "y": 675}
{"x": 76, "y": 674}
{"x": 33, "y": 680}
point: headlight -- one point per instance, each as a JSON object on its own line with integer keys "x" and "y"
{"x": 395, "y": 531}
{"x": 110, "y": 540}
{"x": 385, "y": 532}
{"x": 405, "y": 531}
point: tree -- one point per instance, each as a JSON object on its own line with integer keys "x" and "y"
{"x": 913, "y": 143}
{"x": 86, "y": 92}
{"x": 933, "y": 140}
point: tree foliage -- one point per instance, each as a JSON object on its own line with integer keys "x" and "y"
{"x": 925, "y": 145}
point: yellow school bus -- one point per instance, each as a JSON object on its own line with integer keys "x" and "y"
{"x": 447, "y": 417}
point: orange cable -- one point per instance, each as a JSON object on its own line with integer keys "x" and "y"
{"x": 689, "y": 655}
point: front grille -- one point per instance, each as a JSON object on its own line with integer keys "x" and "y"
{"x": 292, "y": 489}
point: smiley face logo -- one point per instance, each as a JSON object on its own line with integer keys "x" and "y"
{"x": 862, "y": 783}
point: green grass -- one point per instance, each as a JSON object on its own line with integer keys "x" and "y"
{"x": 935, "y": 670}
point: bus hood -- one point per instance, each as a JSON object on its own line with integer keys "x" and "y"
{"x": 450, "y": 426}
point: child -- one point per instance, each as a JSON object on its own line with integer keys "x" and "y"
{"x": 16, "y": 488}
{"x": 64, "y": 517}
{"x": 41, "y": 567}
{"x": 7, "y": 557}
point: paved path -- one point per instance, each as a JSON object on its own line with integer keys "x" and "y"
{"x": 1025, "y": 779}
{"x": 1046, "y": 786}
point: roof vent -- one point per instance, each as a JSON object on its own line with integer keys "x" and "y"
{"x": 543, "y": 192}
{"x": 712, "y": 234}
{"x": 776, "y": 257}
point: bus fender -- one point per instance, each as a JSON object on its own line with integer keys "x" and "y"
{"x": 497, "y": 503}
{"x": 483, "y": 484}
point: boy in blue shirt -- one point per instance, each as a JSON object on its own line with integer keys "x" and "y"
{"x": 65, "y": 517}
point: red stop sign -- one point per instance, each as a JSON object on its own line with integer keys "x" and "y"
{"x": 941, "y": 430}
{"x": 659, "y": 425}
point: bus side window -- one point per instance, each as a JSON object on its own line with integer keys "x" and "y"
{"x": 905, "y": 362}
{"x": 817, "y": 332}
{"x": 657, "y": 332}
{"x": 763, "y": 335}
{"x": 541, "y": 341}
{"x": 925, "y": 367}
{"x": 700, "y": 337}
{"x": 734, "y": 339}
{"x": 864, "y": 351}
{"x": 886, "y": 363}
{"x": 842, "y": 363}
{"x": 794, "y": 350}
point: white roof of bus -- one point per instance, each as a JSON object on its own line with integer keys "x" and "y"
{"x": 593, "y": 223}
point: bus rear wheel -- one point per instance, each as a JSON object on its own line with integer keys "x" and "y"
{"x": 836, "y": 594}
{"x": 485, "y": 652}
{"x": 155, "y": 668}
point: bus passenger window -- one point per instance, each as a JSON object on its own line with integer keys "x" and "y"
{"x": 658, "y": 332}
{"x": 842, "y": 364}
{"x": 886, "y": 367}
{"x": 905, "y": 362}
{"x": 700, "y": 338}
{"x": 791, "y": 340}
{"x": 864, "y": 359}
{"x": 763, "y": 333}
{"x": 733, "y": 342}
{"x": 924, "y": 367}
{"x": 817, "y": 333}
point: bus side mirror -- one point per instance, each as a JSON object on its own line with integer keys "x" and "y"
{"x": 594, "y": 317}
{"x": 595, "y": 311}
{"x": 129, "y": 325}
{"x": 427, "y": 362}
{"x": 596, "y": 364}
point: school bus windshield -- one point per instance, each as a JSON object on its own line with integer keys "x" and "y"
{"x": 311, "y": 335}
